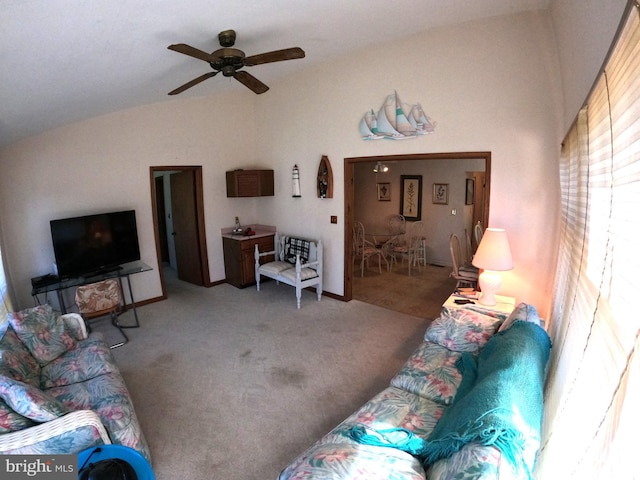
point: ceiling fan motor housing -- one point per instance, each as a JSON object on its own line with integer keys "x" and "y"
{"x": 227, "y": 60}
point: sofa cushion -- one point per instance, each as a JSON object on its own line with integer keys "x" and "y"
{"x": 15, "y": 360}
{"x": 393, "y": 407}
{"x": 463, "y": 329}
{"x": 339, "y": 461}
{"x": 89, "y": 359}
{"x": 338, "y": 456}
{"x": 473, "y": 461}
{"x": 10, "y": 420}
{"x": 43, "y": 332}
{"x": 431, "y": 373}
{"x": 523, "y": 311}
{"x": 30, "y": 401}
{"x": 107, "y": 395}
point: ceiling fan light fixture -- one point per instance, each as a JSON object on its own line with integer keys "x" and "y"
{"x": 380, "y": 168}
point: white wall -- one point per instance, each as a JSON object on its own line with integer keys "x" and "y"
{"x": 491, "y": 85}
{"x": 103, "y": 164}
{"x": 584, "y": 30}
{"x": 438, "y": 220}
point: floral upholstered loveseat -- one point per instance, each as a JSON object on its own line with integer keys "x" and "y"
{"x": 426, "y": 423}
{"x": 60, "y": 388}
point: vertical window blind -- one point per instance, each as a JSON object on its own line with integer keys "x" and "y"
{"x": 593, "y": 390}
{"x": 5, "y": 304}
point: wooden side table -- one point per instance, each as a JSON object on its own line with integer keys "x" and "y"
{"x": 504, "y": 304}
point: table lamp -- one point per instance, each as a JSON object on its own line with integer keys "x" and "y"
{"x": 493, "y": 256}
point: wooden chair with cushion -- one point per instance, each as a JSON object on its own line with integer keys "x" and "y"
{"x": 465, "y": 274}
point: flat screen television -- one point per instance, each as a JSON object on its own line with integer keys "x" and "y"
{"x": 93, "y": 244}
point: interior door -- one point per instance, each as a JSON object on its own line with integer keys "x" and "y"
{"x": 185, "y": 227}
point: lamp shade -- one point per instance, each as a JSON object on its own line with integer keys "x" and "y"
{"x": 493, "y": 252}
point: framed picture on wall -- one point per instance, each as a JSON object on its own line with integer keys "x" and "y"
{"x": 441, "y": 193}
{"x": 411, "y": 197}
{"x": 470, "y": 191}
{"x": 384, "y": 192}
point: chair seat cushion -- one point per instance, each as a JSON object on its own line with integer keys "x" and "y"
{"x": 274, "y": 268}
{"x": 468, "y": 270}
{"x": 98, "y": 296}
{"x": 305, "y": 274}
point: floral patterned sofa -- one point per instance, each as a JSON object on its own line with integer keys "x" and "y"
{"x": 415, "y": 401}
{"x": 60, "y": 389}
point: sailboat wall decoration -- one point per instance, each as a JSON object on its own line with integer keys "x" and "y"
{"x": 394, "y": 122}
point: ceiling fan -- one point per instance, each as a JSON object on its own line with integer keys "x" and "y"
{"x": 230, "y": 61}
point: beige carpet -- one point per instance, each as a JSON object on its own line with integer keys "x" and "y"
{"x": 234, "y": 384}
{"x": 421, "y": 294}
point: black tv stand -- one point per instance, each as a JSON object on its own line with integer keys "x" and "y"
{"x": 103, "y": 271}
{"x": 119, "y": 272}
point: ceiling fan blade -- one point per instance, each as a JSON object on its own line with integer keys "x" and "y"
{"x": 275, "y": 56}
{"x": 191, "y": 51}
{"x": 193, "y": 82}
{"x": 250, "y": 82}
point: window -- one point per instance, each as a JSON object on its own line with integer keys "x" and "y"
{"x": 593, "y": 387}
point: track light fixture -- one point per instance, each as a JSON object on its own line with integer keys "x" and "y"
{"x": 380, "y": 168}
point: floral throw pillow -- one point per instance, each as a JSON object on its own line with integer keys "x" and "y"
{"x": 43, "y": 333}
{"x": 29, "y": 401}
{"x": 462, "y": 330}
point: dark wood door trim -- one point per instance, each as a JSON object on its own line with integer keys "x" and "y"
{"x": 349, "y": 197}
{"x": 202, "y": 237}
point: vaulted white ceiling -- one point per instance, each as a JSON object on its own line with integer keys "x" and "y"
{"x": 62, "y": 61}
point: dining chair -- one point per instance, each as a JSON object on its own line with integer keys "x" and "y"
{"x": 365, "y": 249}
{"x": 397, "y": 240}
{"x": 477, "y": 233}
{"x": 469, "y": 253}
{"x": 466, "y": 274}
{"x": 396, "y": 224}
{"x": 419, "y": 245}
{"x": 413, "y": 247}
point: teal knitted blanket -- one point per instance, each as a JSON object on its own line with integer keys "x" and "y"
{"x": 499, "y": 402}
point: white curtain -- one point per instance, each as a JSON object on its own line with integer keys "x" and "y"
{"x": 593, "y": 390}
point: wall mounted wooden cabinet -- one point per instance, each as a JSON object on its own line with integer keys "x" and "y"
{"x": 250, "y": 183}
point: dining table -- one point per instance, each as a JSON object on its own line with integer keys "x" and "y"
{"x": 380, "y": 239}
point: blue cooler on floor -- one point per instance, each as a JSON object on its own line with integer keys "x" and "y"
{"x": 113, "y": 461}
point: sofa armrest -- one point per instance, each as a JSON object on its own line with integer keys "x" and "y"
{"x": 71, "y": 433}
{"x": 74, "y": 324}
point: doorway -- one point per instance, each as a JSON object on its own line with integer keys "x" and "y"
{"x": 350, "y": 201}
{"x": 178, "y": 221}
